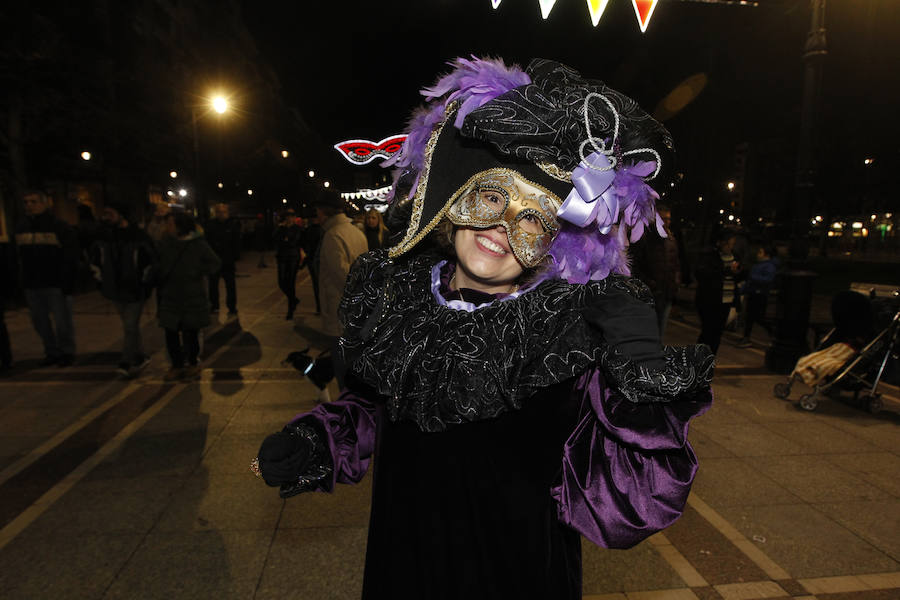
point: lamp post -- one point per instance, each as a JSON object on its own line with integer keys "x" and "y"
{"x": 220, "y": 105}
{"x": 795, "y": 284}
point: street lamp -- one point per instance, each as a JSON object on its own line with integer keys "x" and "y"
{"x": 86, "y": 155}
{"x": 730, "y": 186}
{"x": 173, "y": 174}
{"x": 249, "y": 192}
{"x": 182, "y": 192}
{"x": 311, "y": 173}
{"x": 285, "y": 154}
{"x": 220, "y": 104}
{"x": 327, "y": 184}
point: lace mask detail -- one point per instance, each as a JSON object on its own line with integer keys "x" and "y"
{"x": 497, "y": 197}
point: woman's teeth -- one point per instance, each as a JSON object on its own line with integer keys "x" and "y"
{"x": 490, "y": 245}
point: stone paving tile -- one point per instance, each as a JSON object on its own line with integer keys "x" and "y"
{"x": 816, "y": 480}
{"x": 221, "y": 503}
{"x": 704, "y": 447}
{"x": 13, "y": 447}
{"x": 876, "y": 522}
{"x": 881, "y": 469}
{"x": 169, "y": 454}
{"x": 734, "y": 482}
{"x": 636, "y": 569}
{"x": 260, "y": 421}
{"x": 751, "y": 591}
{"x": 751, "y": 439}
{"x": 73, "y": 567}
{"x": 231, "y": 454}
{"x": 193, "y": 564}
{"x": 325, "y": 564}
{"x": 865, "y": 595}
{"x": 806, "y": 542}
{"x": 753, "y": 398}
{"x": 128, "y": 506}
{"x": 347, "y": 506}
{"x": 820, "y": 437}
{"x": 714, "y": 557}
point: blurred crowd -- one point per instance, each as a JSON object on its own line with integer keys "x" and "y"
{"x": 172, "y": 265}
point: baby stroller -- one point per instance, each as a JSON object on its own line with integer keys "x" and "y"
{"x": 853, "y": 355}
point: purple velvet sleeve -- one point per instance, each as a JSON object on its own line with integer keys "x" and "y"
{"x": 628, "y": 467}
{"x": 349, "y": 427}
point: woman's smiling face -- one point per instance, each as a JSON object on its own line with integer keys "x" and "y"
{"x": 486, "y": 260}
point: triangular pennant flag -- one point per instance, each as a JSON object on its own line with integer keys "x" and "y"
{"x": 546, "y": 7}
{"x": 596, "y": 8}
{"x": 495, "y": 3}
{"x": 644, "y": 10}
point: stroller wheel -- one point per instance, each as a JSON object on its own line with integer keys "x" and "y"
{"x": 873, "y": 404}
{"x": 782, "y": 390}
{"x": 808, "y": 402}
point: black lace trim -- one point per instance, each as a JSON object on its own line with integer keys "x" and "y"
{"x": 438, "y": 367}
{"x": 318, "y": 467}
{"x": 688, "y": 370}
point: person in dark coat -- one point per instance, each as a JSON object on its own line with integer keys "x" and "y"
{"x": 376, "y": 233}
{"x": 224, "y": 236}
{"x": 655, "y": 262}
{"x": 48, "y": 255}
{"x": 716, "y": 273}
{"x": 122, "y": 259}
{"x": 8, "y": 285}
{"x": 312, "y": 242}
{"x": 288, "y": 239}
{"x": 184, "y": 260}
{"x": 756, "y": 289}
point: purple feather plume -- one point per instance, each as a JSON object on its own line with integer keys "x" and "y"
{"x": 581, "y": 254}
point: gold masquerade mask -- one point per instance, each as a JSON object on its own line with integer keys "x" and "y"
{"x": 499, "y": 196}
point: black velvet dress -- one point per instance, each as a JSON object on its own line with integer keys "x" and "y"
{"x": 503, "y": 432}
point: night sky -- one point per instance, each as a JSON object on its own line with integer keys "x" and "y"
{"x": 353, "y": 69}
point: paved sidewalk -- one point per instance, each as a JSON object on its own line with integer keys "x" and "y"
{"x": 139, "y": 489}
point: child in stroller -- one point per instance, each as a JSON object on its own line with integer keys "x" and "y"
{"x": 854, "y": 354}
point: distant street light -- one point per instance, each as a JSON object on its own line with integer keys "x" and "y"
{"x": 730, "y": 186}
{"x": 284, "y": 200}
{"x": 182, "y": 192}
{"x": 86, "y": 155}
{"x": 173, "y": 174}
{"x": 220, "y": 104}
{"x": 249, "y": 192}
{"x": 220, "y": 185}
{"x": 326, "y": 184}
{"x": 868, "y": 161}
{"x": 170, "y": 193}
{"x": 285, "y": 154}
{"x": 312, "y": 173}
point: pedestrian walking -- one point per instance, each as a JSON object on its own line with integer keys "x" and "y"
{"x": 514, "y": 376}
{"x": 342, "y": 243}
{"x": 223, "y": 234}
{"x": 48, "y": 256}
{"x": 717, "y": 273}
{"x": 185, "y": 259}
{"x": 756, "y": 290}
{"x": 288, "y": 244}
{"x": 655, "y": 262}
{"x": 123, "y": 261}
{"x": 312, "y": 242}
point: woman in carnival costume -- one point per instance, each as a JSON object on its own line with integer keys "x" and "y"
{"x": 502, "y": 368}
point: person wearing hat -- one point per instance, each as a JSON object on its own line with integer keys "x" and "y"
{"x": 123, "y": 259}
{"x": 511, "y": 368}
{"x": 342, "y": 243}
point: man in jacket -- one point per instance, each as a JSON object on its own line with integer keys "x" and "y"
{"x": 47, "y": 250}
{"x": 122, "y": 260}
{"x": 223, "y": 234}
{"x": 342, "y": 243}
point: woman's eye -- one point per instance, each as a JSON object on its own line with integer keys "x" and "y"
{"x": 492, "y": 197}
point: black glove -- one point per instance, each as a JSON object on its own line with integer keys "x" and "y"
{"x": 294, "y": 459}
